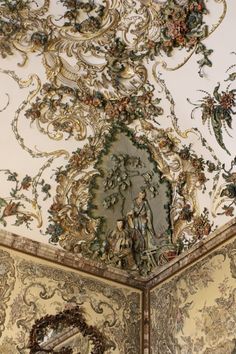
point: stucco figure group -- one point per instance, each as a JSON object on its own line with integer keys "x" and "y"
{"x": 132, "y": 235}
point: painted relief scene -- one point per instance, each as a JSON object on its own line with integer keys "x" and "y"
{"x": 117, "y": 126}
{"x": 133, "y": 203}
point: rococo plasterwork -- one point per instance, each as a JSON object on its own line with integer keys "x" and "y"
{"x": 119, "y": 178}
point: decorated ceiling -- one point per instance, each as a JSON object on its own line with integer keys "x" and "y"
{"x": 117, "y": 125}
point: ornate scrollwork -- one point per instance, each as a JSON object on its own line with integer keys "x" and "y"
{"x": 179, "y": 299}
{"x": 114, "y": 310}
{"x": 97, "y": 63}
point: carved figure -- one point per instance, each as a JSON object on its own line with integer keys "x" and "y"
{"x": 120, "y": 246}
{"x": 140, "y": 218}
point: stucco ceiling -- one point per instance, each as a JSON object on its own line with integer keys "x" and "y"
{"x": 77, "y": 76}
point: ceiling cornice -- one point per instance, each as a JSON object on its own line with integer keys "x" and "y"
{"x": 95, "y": 268}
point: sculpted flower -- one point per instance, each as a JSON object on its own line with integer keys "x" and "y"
{"x": 33, "y": 112}
{"x": 200, "y": 7}
{"x": 227, "y": 100}
{"x": 168, "y": 43}
{"x": 111, "y": 110}
{"x": 180, "y": 40}
{"x": 88, "y": 100}
{"x": 166, "y": 142}
{"x": 46, "y": 87}
{"x": 217, "y": 110}
{"x": 150, "y": 44}
{"x": 123, "y": 103}
{"x": 185, "y": 153}
{"x": 176, "y": 29}
{"x": 191, "y": 42}
{"x": 197, "y": 164}
{"x": 39, "y": 38}
{"x": 26, "y": 182}
{"x": 229, "y": 211}
{"x": 207, "y": 229}
{"x": 201, "y": 225}
{"x": 11, "y": 209}
{"x": 201, "y": 178}
{"x": 211, "y": 166}
{"x": 229, "y": 191}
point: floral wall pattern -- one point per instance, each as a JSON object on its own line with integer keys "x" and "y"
{"x": 78, "y": 76}
{"x": 194, "y": 312}
{"x": 7, "y": 284}
{"x": 48, "y": 308}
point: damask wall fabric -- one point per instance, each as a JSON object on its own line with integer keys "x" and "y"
{"x": 117, "y": 125}
{"x": 194, "y": 311}
{"x": 45, "y": 308}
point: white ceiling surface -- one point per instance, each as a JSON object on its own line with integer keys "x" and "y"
{"x": 183, "y": 83}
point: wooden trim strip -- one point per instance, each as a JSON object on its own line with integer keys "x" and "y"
{"x": 95, "y": 268}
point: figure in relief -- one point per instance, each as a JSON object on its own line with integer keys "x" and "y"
{"x": 140, "y": 219}
{"x": 121, "y": 246}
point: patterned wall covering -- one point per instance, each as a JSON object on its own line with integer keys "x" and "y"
{"x": 48, "y": 307}
{"x": 117, "y": 121}
{"x": 194, "y": 312}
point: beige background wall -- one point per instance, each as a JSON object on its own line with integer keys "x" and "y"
{"x": 32, "y": 288}
{"x": 194, "y": 311}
